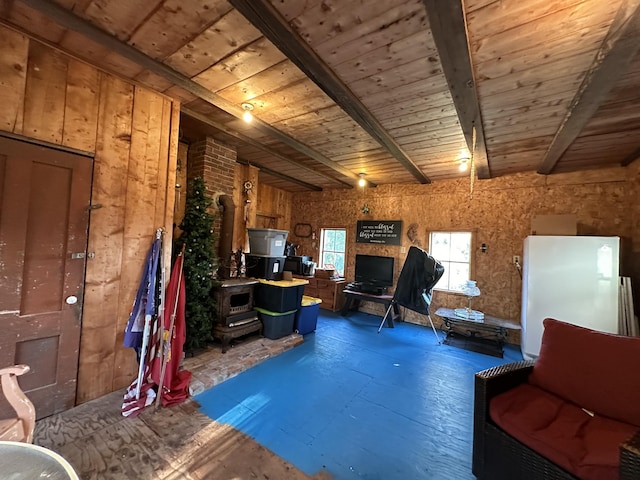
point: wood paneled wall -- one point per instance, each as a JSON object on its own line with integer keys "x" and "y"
{"x": 499, "y": 214}
{"x": 274, "y": 208}
{"x": 132, "y": 133}
{"x": 261, "y": 207}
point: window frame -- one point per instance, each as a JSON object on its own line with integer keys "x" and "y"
{"x": 471, "y": 256}
{"x": 321, "y": 250}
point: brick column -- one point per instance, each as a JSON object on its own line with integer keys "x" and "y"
{"x": 215, "y": 162}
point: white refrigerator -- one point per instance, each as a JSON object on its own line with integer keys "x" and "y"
{"x": 573, "y": 279}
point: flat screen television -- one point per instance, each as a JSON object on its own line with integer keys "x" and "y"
{"x": 374, "y": 270}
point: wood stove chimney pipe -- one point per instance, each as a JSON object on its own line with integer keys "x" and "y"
{"x": 225, "y": 244}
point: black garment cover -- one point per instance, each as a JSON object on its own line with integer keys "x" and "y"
{"x": 419, "y": 275}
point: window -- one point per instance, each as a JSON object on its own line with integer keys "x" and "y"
{"x": 333, "y": 245}
{"x": 453, "y": 250}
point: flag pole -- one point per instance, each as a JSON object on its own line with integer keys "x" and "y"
{"x": 163, "y": 285}
{"x": 143, "y": 353}
{"x": 166, "y": 345}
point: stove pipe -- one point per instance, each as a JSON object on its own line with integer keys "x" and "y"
{"x": 225, "y": 244}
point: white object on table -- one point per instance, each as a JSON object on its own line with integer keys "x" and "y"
{"x": 25, "y": 461}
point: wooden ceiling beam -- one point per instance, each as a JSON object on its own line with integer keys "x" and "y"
{"x": 275, "y": 28}
{"x": 449, "y": 30}
{"x": 631, "y": 158}
{"x": 254, "y": 143}
{"x": 69, "y": 20}
{"x": 613, "y": 59}
{"x": 279, "y": 175}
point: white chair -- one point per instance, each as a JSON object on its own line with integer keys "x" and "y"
{"x": 20, "y": 428}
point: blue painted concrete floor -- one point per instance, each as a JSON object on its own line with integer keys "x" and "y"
{"x": 359, "y": 404}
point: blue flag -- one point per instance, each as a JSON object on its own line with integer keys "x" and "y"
{"x": 145, "y": 303}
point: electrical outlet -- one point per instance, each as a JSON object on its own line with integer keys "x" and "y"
{"x": 516, "y": 259}
{"x": 403, "y": 249}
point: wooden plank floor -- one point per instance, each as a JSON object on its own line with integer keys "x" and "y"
{"x": 173, "y": 443}
{"x": 346, "y": 403}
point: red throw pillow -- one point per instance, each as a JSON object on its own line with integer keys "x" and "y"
{"x": 595, "y": 370}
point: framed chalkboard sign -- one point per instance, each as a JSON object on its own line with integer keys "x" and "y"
{"x": 386, "y": 232}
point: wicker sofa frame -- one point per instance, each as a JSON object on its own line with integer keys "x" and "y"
{"x": 498, "y": 456}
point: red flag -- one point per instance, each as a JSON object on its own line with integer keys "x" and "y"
{"x": 175, "y": 382}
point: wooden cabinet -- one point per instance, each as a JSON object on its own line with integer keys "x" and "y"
{"x": 327, "y": 290}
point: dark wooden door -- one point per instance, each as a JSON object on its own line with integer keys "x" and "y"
{"x": 44, "y": 200}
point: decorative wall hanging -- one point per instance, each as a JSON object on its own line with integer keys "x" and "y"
{"x": 302, "y": 230}
{"x": 387, "y": 232}
{"x": 412, "y": 235}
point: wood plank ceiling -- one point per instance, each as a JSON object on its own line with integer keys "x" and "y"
{"x": 397, "y": 89}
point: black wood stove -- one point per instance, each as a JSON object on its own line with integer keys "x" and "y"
{"x": 235, "y": 316}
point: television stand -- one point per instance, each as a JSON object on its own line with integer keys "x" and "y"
{"x": 353, "y": 299}
{"x": 374, "y": 290}
{"x": 366, "y": 288}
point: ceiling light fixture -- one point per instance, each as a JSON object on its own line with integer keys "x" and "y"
{"x": 247, "y": 116}
{"x": 362, "y": 182}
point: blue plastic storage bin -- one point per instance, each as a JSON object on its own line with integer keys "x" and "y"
{"x": 306, "y": 317}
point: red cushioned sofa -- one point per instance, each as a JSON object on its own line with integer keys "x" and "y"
{"x": 573, "y": 414}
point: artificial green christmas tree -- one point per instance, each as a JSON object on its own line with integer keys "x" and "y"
{"x": 199, "y": 264}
